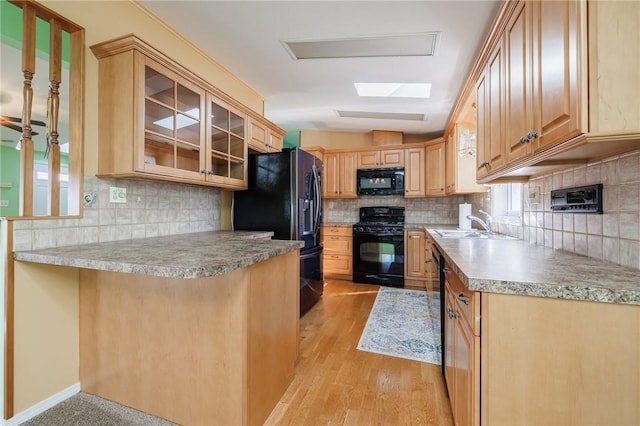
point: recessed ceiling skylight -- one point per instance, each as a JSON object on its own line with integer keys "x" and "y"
{"x": 420, "y": 44}
{"x": 394, "y": 90}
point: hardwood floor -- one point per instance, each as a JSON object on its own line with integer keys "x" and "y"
{"x": 336, "y": 384}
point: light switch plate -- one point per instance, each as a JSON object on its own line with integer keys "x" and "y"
{"x": 117, "y": 195}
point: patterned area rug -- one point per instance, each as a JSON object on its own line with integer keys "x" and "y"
{"x": 404, "y": 324}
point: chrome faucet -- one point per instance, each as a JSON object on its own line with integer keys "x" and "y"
{"x": 486, "y": 225}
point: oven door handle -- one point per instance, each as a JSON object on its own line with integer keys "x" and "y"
{"x": 375, "y": 234}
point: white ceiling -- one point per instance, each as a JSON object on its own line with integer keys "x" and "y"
{"x": 247, "y": 38}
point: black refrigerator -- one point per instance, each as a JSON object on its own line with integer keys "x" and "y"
{"x": 284, "y": 196}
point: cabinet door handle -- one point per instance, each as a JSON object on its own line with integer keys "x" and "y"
{"x": 445, "y": 270}
{"x": 428, "y": 261}
{"x": 450, "y": 313}
{"x": 414, "y": 236}
{"x": 464, "y": 299}
{"x": 532, "y": 135}
{"x": 523, "y": 140}
{"x": 203, "y": 171}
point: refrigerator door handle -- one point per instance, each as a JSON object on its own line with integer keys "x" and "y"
{"x": 317, "y": 199}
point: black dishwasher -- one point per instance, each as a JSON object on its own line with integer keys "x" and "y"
{"x": 438, "y": 261}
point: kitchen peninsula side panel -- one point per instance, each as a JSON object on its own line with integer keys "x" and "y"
{"x": 215, "y": 350}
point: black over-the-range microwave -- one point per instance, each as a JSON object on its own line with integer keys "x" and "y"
{"x": 380, "y": 181}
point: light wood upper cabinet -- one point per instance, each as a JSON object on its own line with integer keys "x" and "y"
{"x": 174, "y": 126}
{"x": 490, "y": 115}
{"x": 392, "y": 158}
{"x": 519, "y": 117}
{"x": 258, "y": 136}
{"x": 276, "y": 141}
{"x": 436, "y": 163}
{"x": 368, "y": 159}
{"x": 482, "y": 125}
{"x": 556, "y": 44}
{"x": 568, "y": 94}
{"x": 339, "y": 179}
{"x": 542, "y": 107}
{"x": 262, "y": 138}
{"x": 459, "y": 171}
{"x": 494, "y": 151}
{"x": 226, "y": 161}
{"x": 171, "y": 140}
{"x": 164, "y": 131}
{"x": 380, "y": 159}
{"x": 414, "y": 172}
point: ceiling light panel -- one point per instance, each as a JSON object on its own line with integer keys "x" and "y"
{"x": 421, "y": 44}
{"x": 394, "y": 90}
{"x": 382, "y": 115}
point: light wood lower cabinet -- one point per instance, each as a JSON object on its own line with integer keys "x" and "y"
{"x": 420, "y": 272}
{"x": 579, "y": 360}
{"x": 337, "y": 257}
{"x": 414, "y": 259}
{"x": 539, "y": 361}
{"x": 462, "y": 354}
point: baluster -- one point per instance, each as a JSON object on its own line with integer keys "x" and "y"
{"x": 26, "y": 141}
{"x": 53, "y": 108}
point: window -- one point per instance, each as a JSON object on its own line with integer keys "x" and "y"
{"x": 506, "y": 201}
{"x": 41, "y": 111}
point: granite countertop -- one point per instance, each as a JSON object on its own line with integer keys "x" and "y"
{"x": 415, "y": 225}
{"x": 196, "y": 255}
{"x": 338, "y": 223}
{"x": 519, "y": 267}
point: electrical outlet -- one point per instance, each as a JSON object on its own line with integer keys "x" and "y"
{"x": 4, "y": 203}
{"x": 117, "y": 195}
{"x": 534, "y": 195}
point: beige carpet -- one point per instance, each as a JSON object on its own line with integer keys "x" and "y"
{"x": 84, "y": 409}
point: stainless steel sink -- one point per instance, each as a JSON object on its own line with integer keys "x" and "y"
{"x": 471, "y": 233}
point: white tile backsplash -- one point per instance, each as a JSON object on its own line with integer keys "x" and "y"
{"x": 184, "y": 209}
{"x": 613, "y": 236}
{"x": 435, "y": 210}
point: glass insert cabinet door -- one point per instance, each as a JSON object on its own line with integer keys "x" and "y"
{"x": 228, "y": 143}
{"x": 174, "y": 124}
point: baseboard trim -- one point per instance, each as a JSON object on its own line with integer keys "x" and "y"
{"x": 43, "y": 405}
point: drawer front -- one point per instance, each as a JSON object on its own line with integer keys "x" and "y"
{"x": 337, "y": 244}
{"x": 337, "y": 230}
{"x": 467, "y": 301}
{"x": 337, "y": 264}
